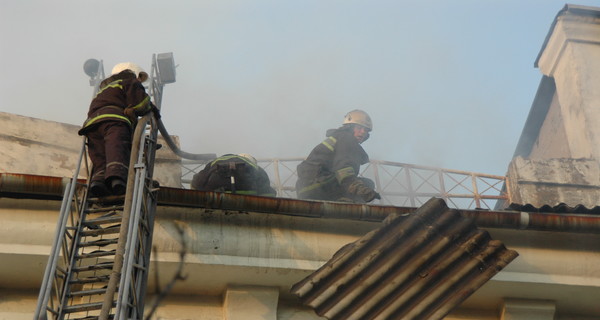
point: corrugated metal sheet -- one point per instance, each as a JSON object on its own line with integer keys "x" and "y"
{"x": 417, "y": 266}
{"x": 559, "y": 208}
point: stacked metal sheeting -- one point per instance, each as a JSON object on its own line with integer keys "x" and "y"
{"x": 417, "y": 266}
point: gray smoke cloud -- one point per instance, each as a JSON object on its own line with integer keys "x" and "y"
{"x": 447, "y": 84}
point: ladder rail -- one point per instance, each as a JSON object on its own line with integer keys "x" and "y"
{"x": 58, "y": 243}
{"x": 132, "y": 236}
{"x": 131, "y": 251}
{"x": 73, "y": 270}
{"x": 72, "y": 249}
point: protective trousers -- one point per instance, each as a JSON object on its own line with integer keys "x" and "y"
{"x": 109, "y": 148}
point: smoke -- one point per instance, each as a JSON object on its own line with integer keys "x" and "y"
{"x": 447, "y": 84}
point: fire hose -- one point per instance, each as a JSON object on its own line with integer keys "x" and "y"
{"x": 179, "y": 152}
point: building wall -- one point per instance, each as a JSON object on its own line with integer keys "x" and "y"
{"x": 236, "y": 258}
{"x": 561, "y": 166}
{"x": 552, "y": 139}
{"x": 572, "y": 57}
{"x": 48, "y": 148}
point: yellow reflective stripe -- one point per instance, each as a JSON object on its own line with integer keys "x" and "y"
{"x": 114, "y": 84}
{"x": 330, "y": 146}
{"x": 142, "y": 105}
{"x": 223, "y": 158}
{"x": 316, "y": 185}
{"x": 103, "y": 116}
{"x": 344, "y": 173}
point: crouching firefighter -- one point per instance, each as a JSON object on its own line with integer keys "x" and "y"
{"x": 331, "y": 170}
{"x": 234, "y": 173}
{"x": 112, "y": 117}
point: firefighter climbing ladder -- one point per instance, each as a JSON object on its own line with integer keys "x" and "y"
{"x": 99, "y": 262}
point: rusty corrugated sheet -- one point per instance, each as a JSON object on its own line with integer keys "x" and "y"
{"x": 417, "y": 266}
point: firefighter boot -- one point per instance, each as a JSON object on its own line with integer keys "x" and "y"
{"x": 98, "y": 189}
{"x": 118, "y": 187}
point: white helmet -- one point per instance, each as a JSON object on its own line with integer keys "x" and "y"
{"x": 139, "y": 72}
{"x": 249, "y": 157}
{"x": 359, "y": 117}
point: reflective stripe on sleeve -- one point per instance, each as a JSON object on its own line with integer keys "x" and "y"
{"x": 329, "y": 143}
{"x": 114, "y": 84}
{"x": 143, "y": 106}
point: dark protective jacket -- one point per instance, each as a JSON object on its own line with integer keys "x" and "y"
{"x": 117, "y": 93}
{"x": 331, "y": 170}
{"x": 248, "y": 178}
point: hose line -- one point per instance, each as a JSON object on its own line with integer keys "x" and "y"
{"x": 177, "y": 151}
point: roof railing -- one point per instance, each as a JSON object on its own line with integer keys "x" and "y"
{"x": 399, "y": 184}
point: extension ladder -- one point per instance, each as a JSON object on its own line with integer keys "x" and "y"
{"x": 99, "y": 262}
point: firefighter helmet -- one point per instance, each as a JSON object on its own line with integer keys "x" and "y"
{"x": 139, "y": 72}
{"x": 248, "y": 157}
{"x": 359, "y": 117}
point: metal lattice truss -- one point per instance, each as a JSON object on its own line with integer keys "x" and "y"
{"x": 399, "y": 184}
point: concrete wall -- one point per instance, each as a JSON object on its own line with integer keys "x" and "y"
{"x": 562, "y": 164}
{"x": 554, "y": 181}
{"x": 572, "y": 57}
{"x": 41, "y": 147}
{"x": 252, "y": 259}
{"x": 552, "y": 139}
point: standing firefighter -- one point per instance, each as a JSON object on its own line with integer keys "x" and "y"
{"x": 331, "y": 170}
{"x": 234, "y": 173}
{"x": 111, "y": 119}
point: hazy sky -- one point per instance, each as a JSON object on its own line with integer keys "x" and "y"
{"x": 447, "y": 83}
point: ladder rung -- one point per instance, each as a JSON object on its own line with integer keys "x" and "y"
{"x": 99, "y": 243}
{"x": 108, "y": 200}
{"x": 104, "y": 209}
{"x": 110, "y": 316}
{"x": 90, "y": 280}
{"x": 97, "y": 253}
{"x": 100, "y": 231}
{"x": 99, "y": 266}
{"x": 85, "y": 307}
{"x": 98, "y": 221}
{"x": 90, "y": 292}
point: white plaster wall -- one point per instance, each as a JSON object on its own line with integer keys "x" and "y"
{"x": 572, "y": 58}
{"x": 552, "y": 140}
{"x": 233, "y": 249}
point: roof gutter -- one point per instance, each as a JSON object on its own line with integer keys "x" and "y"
{"x": 24, "y": 186}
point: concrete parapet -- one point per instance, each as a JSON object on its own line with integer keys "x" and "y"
{"x": 42, "y": 147}
{"x": 554, "y": 181}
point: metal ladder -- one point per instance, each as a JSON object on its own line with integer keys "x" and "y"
{"x": 99, "y": 262}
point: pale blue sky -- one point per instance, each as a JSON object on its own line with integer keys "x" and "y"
{"x": 447, "y": 83}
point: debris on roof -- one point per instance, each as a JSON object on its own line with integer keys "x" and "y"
{"x": 418, "y": 265}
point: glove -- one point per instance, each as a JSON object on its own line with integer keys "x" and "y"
{"x": 359, "y": 189}
{"x": 130, "y": 114}
{"x": 371, "y": 196}
{"x": 156, "y": 112}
